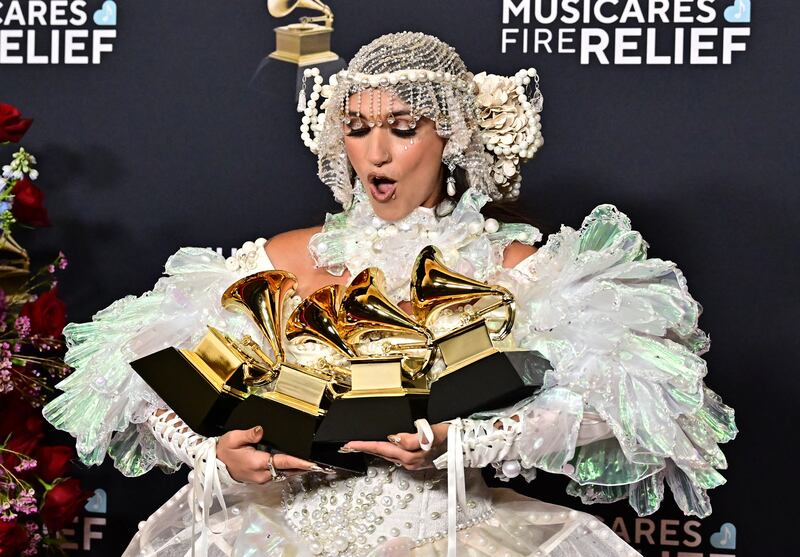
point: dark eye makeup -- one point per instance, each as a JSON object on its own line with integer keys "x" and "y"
{"x": 364, "y": 130}
{"x": 400, "y": 127}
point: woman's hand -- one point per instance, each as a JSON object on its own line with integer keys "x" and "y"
{"x": 403, "y": 448}
{"x": 247, "y": 464}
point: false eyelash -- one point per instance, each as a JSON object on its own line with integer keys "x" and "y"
{"x": 364, "y": 131}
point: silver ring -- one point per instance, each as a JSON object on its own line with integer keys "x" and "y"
{"x": 276, "y": 476}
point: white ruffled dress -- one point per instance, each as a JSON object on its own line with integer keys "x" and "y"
{"x": 623, "y": 411}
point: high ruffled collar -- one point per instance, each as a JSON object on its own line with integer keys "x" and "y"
{"x": 471, "y": 244}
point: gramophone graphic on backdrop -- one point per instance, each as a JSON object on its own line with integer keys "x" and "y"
{"x": 298, "y": 46}
{"x": 303, "y": 43}
{"x": 379, "y": 376}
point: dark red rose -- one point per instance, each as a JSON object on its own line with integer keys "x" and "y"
{"x": 63, "y": 503}
{"x": 53, "y": 461}
{"x": 24, "y": 423}
{"x": 12, "y": 126}
{"x": 28, "y": 205}
{"x": 48, "y": 314}
{"x": 13, "y": 538}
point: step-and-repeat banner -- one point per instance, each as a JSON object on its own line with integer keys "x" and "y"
{"x": 161, "y": 123}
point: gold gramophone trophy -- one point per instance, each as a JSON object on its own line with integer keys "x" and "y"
{"x": 387, "y": 389}
{"x": 303, "y": 43}
{"x": 477, "y": 375}
{"x": 295, "y": 399}
{"x": 225, "y": 384}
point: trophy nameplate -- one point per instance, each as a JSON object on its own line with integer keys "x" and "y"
{"x": 377, "y": 405}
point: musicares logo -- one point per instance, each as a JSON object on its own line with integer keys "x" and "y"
{"x": 56, "y": 31}
{"x": 628, "y": 32}
{"x": 682, "y": 537}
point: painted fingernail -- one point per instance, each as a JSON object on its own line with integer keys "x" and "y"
{"x": 394, "y": 439}
{"x": 323, "y": 469}
{"x": 348, "y": 450}
{"x": 257, "y": 429}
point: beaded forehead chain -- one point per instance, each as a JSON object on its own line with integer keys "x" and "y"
{"x": 492, "y": 123}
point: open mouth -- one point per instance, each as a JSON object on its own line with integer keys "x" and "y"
{"x": 381, "y": 187}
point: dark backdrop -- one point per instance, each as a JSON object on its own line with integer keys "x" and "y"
{"x": 165, "y": 144}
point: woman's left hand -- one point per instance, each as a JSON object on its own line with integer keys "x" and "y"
{"x": 403, "y": 448}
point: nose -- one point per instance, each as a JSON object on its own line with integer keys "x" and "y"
{"x": 378, "y": 152}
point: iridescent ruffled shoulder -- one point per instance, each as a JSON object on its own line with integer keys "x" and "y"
{"x": 621, "y": 331}
{"x": 104, "y": 402}
{"x": 607, "y": 226}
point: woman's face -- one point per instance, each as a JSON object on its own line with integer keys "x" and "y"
{"x": 400, "y": 166}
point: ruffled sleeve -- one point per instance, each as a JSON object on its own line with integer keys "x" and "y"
{"x": 105, "y": 404}
{"x": 621, "y": 332}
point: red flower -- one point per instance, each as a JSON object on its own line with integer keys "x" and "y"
{"x": 24, "y": 423}
{"x": 13, "y": 538}
{"x": 28, "y": 205}
{"x": 12, "y": 127}
{"x": 53, "y": 461}
{"x": 63, "y": 503}
{"x": 48, "y": 314}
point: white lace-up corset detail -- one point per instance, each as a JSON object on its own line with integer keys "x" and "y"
{"x": 350, "y": 516}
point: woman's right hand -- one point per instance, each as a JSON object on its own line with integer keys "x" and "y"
{"x": 245, "y": 463}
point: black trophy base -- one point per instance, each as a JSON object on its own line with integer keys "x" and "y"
{"x": 369, "y": 418}
{"x": 186, "y": 392}
{"x": 327, "y": 454}
{"x": 289, "y": 431}
{"x": 285, "y": 428}
{"x": 497, "y": 380}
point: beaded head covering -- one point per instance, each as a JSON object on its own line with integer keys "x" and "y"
{"x": 492, "y": 123}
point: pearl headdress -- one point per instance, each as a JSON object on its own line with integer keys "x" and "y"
{"x": 491, "y": 122}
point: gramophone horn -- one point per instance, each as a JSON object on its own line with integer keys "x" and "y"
{"x": 261, "y": 296}
{"x": 281, "y": 8}
{"x": 435, "y": 287}
{"x": 364, "y": 308}
{"x": 315, "y": 319}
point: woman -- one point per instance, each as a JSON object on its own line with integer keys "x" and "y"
{"x": 416, "y": 148}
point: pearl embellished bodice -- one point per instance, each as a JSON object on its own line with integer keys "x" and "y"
{"x": 349, "y": 516}
{"x": 471, "y": 244}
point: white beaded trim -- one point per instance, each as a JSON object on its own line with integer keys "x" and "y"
{"x": 251, "y": 257}
{"x": 483, "y": 517}
{"x": 392, "y": 78}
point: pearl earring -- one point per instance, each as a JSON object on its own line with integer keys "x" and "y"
{"x": 451, "y": 180}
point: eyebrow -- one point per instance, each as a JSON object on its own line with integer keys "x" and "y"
{"x": 396, "y": 113}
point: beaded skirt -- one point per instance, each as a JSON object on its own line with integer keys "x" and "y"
{"x": 388, "y": 511}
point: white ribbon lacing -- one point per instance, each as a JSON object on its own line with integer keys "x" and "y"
{"x": 456, "y": 481}
{"x": 205, "y": 486}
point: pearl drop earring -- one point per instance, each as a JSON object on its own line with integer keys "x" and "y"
{"x": 451, "y": 180}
